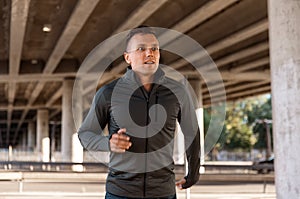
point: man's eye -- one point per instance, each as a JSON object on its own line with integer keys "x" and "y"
{"x": 141, "y": 49}
{"x": 154, "y": 49}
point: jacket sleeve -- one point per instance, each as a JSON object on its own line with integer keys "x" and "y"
{"x": 189, "y": 126}
{"x": 90, "y": 132}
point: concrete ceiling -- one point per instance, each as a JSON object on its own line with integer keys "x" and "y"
{"x": 33, "y": 63}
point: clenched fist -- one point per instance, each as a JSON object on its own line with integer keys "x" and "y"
{"x": 119, "y": 142}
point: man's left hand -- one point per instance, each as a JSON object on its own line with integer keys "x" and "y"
{"x": 180, "y": 183}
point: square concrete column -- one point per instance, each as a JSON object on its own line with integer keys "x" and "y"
{"x": 70, "y": 146}
{"x": 31, "y": 136}
{"x": 77, "y": 107}
{"x": 284, "y": 20}
{"x": 179, "y": 146}
{"x": 197, "y": 89}
{"x": 178, "y": 154}
{"x": 24, "y": 140}
{"x": 42, "y": 138}
{"x": 194, "y": 87}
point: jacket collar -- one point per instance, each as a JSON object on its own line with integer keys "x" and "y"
{"x": 130, "y": 76}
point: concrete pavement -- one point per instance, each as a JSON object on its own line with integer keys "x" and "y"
{"x": 101, "y": 196}
{"x": 93, "y": 190}
{"x": 59, "y": 185}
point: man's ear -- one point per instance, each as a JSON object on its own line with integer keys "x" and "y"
{"x": 127, "y": 58}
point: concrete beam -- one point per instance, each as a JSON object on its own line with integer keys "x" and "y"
{"x": 235, "y": 89}
{"x": 251, "y": 65}
{"x": 210, "y": 9}
{"x": 54, "y": 77}
{"x": 29, "y": 88}
{"x": 243, "y": 94}
{"x": 248, "y": 32}
{"x": 246, "y": 76}
{"x": 19, "y": 13}
{"x": 106, "y": 77}
{"x": 237, "y": 69}
{"x": 250, "y": 93}
{"x": 252, "y": 50}
{"x": 77, "y": 20}
{"x": 226, "y": 75}
{"x": 54, "y": 113}
{"x": 18, "y": 20}
{"x": 239, "y": 74}
{"x": 35, "y": 77}
{"x": 13, "y": 121}
{"x": 32, "y": 107}
{"x": 140, "y": 14}
{"x": 217, "y": 85}
{"x": 258, "y": 48}
{"x": 54, "y": 97}
{"x": 239, "y": 36}
{"x": 205, "y": 12}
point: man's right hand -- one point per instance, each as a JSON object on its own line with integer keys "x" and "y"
{"x": 119, "y": 142}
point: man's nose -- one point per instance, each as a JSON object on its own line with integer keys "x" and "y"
{"x": 149, "y": 52}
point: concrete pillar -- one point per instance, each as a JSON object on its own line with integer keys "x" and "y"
{"x": 284, "y": 19}
{"x": 195, "y": 89}
{"x": 179, "y": 147}
{"x": 46, "y": 149}
{"x": 30, "y": 136}
{"x": 77, "y": 105}
{"x": 196, "y": 85}
{"x": 179, "y": 150}
{"x": 1, "y": 138}
{"x": 24, "y": 140}
{"x": 43, "y": 133}
{"x": 70, "y": 146}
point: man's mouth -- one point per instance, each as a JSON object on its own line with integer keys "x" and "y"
{"x": 149, "y": 62}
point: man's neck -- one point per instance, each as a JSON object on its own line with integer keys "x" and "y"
{"x": 146, "y": 82}
{"x": 148, "y": 87}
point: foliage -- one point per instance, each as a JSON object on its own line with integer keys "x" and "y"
{"x": 242, "y": 129}
{"x": 238, "y": 132}
{"x": 259, "y": 114}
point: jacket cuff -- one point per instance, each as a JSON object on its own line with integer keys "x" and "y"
{"x": 190, "y": 180}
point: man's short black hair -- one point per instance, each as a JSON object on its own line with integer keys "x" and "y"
{"x": 142, "y": 29}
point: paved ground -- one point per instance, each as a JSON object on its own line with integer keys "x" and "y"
{"x": 93, "y": 190}
{"x": 60, "y": 185}
{"x": 101, "y": 196}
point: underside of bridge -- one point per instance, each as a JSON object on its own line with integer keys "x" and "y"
{"x": 45, "y": 42}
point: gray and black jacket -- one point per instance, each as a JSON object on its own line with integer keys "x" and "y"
{"x": 146, "y": 169}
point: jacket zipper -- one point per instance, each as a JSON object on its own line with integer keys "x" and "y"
{"x": 156, "y": 104}
{"x": 146, "y": 147}
{"x": 146, "y": 96}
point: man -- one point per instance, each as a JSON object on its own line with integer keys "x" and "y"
{"x": 141, "y": 109}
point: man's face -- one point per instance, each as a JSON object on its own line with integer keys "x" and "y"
{"x": 143, "y": 54}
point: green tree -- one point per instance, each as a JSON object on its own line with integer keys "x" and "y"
{"x": 238, "y": 132}
{"x": 261, "y": 113}
{"x": 242, "y": 129}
